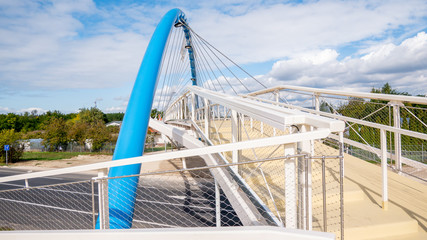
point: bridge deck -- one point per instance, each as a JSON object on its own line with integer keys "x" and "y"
{"x": 407, "y": 214}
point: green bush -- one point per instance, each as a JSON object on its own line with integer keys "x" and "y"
{"x": 10, "y": 137}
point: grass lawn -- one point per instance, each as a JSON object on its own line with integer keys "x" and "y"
{"x": 154, "y": 149}
{"x": 46, "y": 156}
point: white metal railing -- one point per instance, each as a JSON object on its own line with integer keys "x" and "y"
{"x": 311, "y": 127}
{"x": 319, "y": 91}
{"x": 103, "y": 180}
{"x": 171, "y": 155}
{"x": 209, "y": 111}
{"x": 394, "y": 101}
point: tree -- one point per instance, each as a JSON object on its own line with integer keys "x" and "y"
{"x": 10, "y": 137}
{"x": 114, "y": 117}
{"x": 78, "y": 132}
{"x": 156, "y": 114}
{"x": 377, "y": 111}
{"x": 99, "y": 135}
{"x": 387, "y": 89}
{"x": 92, "y": 116}
{"x": 55, "y": 134}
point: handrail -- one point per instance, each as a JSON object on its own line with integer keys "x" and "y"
{"x": 177, "y": 100}
{"x": 344, "y": 118}
{"x": 317, "y": 134}
{"x": 267, "y": 113}
{"x": 378, "y": 96}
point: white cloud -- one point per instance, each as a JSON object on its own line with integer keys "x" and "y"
{"x": 403, "y": 66}
{"x": 54, "y": 45}
{"x": 284, "y": 30}
{"x": 410, "y": 55}
{"x": 47, "y": 48}
{"x": 4, "y": 110}
{"x": 31, "y": 109}
{"x": 115, "y": 109}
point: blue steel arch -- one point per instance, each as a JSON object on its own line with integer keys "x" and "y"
{"x": 130, "y": 143}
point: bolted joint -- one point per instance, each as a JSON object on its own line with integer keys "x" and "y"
{"x": 99, "y": 179}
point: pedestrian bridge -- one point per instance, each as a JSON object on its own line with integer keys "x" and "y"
{"x": 244, "y": 159}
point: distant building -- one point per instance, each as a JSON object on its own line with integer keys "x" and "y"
{"x": 33, "y": 145}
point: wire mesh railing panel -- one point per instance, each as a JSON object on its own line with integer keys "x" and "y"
{"x": 185, "y": 199}
{"x": 55, "y": 207}
{"x": 273, "y": 190}
{"x": 366, "y": 139}
{"x": 327, "y": 182}
{"x": 182, "y": 198}
{"x": 415, "y": 119}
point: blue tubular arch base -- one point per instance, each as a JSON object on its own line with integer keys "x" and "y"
{"x": 130, "y": 143}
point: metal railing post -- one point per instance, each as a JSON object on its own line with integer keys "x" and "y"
{"x": 179, "y": 104}
{"x": 305, "y": 180}
{"x": 193, "y": 106}
{"x": 307, "y": 195}
{"x": 207, "y": 117}
{"x": 277, "y": 95}
{"x": 93, "y": 203}
{"x": 262, "y": 128}
{"x": 217, "y": 205}
{"x": 290, "y": 188}
{"x": 317, "y": 101}
{"x": 235, "y": 135}
{"x": 325, "y": 219}
{"x": 184, "y": 102}
{"x": 397, "y": 137}
{"x": 341, "y": 151}
{"x": 384, "y": 169}
{"x": 103, "y": 199}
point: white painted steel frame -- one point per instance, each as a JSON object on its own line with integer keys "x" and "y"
{"x": 275, "y": 116}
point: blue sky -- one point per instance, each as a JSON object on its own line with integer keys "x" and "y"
{"x": 65, "y": 55}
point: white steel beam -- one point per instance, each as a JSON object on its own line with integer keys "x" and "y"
{"x": 275, "y": 116}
